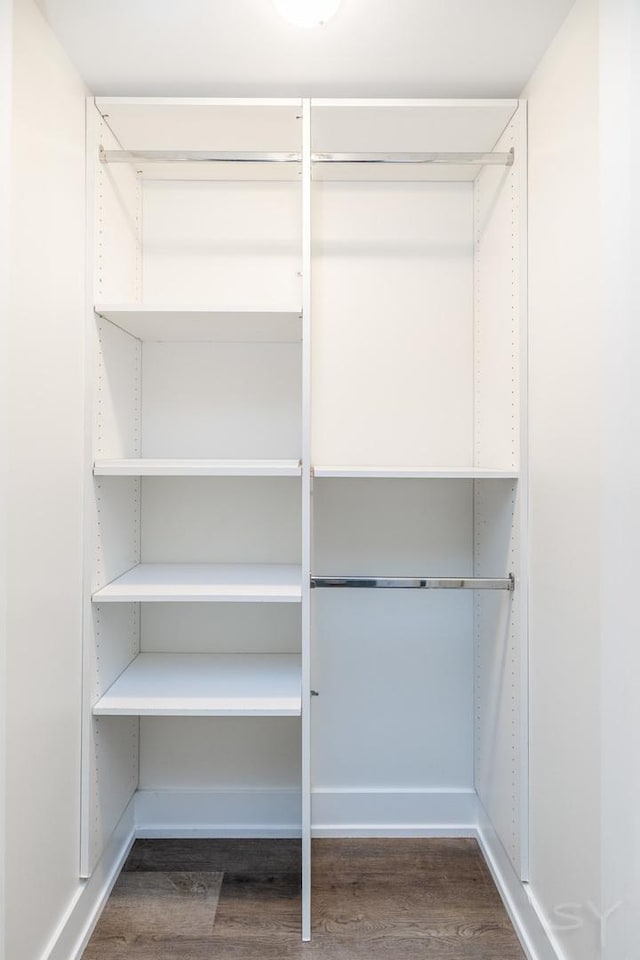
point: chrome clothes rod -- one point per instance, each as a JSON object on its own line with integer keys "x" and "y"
{"x": 209, "y": 156}
{"x": 195, "y": 156}
{"x": 418, "y": 583}
{"x": 483, "y": 159}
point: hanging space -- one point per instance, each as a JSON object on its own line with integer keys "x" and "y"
{"x": 419, "y": 464}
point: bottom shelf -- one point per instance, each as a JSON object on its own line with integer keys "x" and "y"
{"x": 206, "y": 685}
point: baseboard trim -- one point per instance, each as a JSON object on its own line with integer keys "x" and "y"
{"x": 534, "y": 937}
{"x": 542, "y": 920}
{"x": 335, "y": 813}
{"x": 75, "y": 928}
{"x": 381, "y": 830}
{"x": 221, "y": 813}
{"x": 393, "y": 813}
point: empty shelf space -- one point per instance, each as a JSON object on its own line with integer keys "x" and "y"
{"x": 206, "y": 582}
{"x": 155, "y": 467}
{"x": 201, "y": 685}
{"x": 201, "y": 324}
{"x": 410, "y": 473}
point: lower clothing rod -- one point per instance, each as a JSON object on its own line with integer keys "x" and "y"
{"x": 418, "y": 583}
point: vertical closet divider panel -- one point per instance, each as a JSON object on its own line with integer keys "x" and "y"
{"x": 112, "y": 509}
{"x": 307, "y": 515}
{"x": 500, "y": 507}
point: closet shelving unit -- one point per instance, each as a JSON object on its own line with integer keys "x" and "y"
{"x": 218, "y": 229}
{"x": 196, "y": 597}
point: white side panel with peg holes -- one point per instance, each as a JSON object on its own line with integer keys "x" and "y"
{"x": 501, "y": 506}
{"x": 112, "y": 508}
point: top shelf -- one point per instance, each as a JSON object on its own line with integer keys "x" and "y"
{"x": 262, "y": 139}
{"x": 176, "y": 323}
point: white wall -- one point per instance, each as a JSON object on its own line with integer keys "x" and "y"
{"x": 45, "y": 495}
{"x": 566, "y": 429}
{"x": 6, "y": 11}
{"x": 620, "y": 342}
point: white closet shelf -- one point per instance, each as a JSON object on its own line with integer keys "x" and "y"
{"x": 206, "y": 685}
{"x": 159, "y": 467}
{"x": 429, "y": 473}
{"x": 184, "y": 323}
{"x": 206, "y": 582}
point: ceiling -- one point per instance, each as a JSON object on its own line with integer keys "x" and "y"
{"x": 371, "y": 48}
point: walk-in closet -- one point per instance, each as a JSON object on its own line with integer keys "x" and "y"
{"x": 320, "y": 507}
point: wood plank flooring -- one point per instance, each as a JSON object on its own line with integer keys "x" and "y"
{"x": 405, "y": 899}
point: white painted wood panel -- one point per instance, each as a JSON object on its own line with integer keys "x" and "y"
{"x": 500, "y": 299}
{"x": 173, "y": 582}
{"x": 158, "y": 467}
{"x": 392, "y": 338}
{"x": 394, "y": 673}
{"x": 226, "y": 754}
{"x": 221, "y": 520}
{"x": 112, "y": 511}
{"x": 500, "y": 518}
{"x": 116, "y": 222}
{"x": 368, "y": 527}
{"x": 116, "y": 544}
{"x": 226, "y": 400}
{"x": 219, "y": 627}
{"x": 115, "y": 392}
{"x": 408, "y": 126}
{"x": 194, "y": 323}
{"x": 222, "y": 243}
{"x": 394, "y": 669}
{"x": 161, "y": 684}
{"x": 307, "y": 526}
{"x": 499, "y": 652}
{"x": 168, "y": 123}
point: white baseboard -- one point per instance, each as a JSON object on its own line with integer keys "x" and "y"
{"x": 223, "y": 813}
{"x": 393, "y": 813}
{"x": 76, "y": 926}
{"x": 558, "y": 953}
{"x": 535, "y": 938}
{"x": 335, "y": 813}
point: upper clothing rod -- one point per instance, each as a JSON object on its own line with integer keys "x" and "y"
{"x": 474, "y": 159}
{"x": 195, "y": 156}
{"x": 418, "y": 583}
{"x": 216, "y": 156}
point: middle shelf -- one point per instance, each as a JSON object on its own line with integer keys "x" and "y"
{"x": 206, "y": 685}
{"x": 190, "y": 323}
{"x": 173, "y": 467}
{"x": 194, "y": 582}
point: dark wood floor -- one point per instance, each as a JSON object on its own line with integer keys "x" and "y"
{"x": 240, "y": 900}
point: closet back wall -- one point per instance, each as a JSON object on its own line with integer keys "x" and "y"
{"x": 392, "y": 387}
